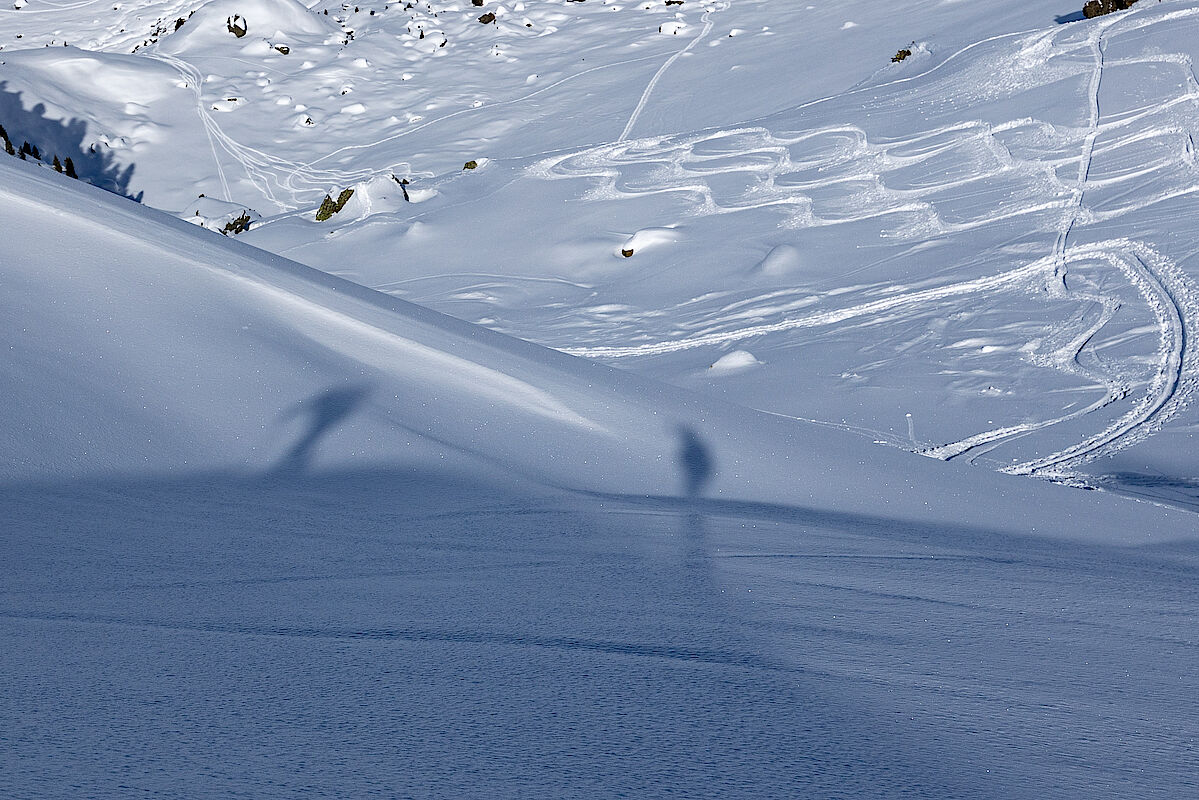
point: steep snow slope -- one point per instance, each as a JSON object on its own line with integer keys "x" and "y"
{"x": 986, "y": 258}
{"x": 975, "y": 253}
{"x": 271, "y": 533}
{"x": 173, "y": 347}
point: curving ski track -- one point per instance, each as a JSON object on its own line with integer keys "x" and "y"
{"x": 837, "y": 174}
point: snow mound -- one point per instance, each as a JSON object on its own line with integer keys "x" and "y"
{"x": 219, "y": 215}
{"x": 266, "y": 24}
{"x": 647, "y": 238}
{"x": 734, "y": 362}
{"x": 782, "y": 260}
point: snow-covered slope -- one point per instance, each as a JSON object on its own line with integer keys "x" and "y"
{"x": 979, "y": 252}
{"x": 171, "y": 348}
{"x": 718, "y": 478}
{"x": 985, "y": 255}
{"x": 270, "y": 532}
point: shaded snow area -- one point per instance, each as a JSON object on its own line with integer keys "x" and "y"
{"x": 583, "y": 398}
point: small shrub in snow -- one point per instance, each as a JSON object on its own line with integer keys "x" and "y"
{"x": 238, "y": 225}
{"x": 329, "y": 206}
{"x": 403, "y": 182}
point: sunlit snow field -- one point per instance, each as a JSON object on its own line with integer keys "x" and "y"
{"x": 688, "y": 400}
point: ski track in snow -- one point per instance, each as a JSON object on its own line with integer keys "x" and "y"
{"x": 282, "y": 181}
{"x": 1173, "y": 301}
{"x": 707, "y": 21}
{"x": 290, "y": 184}
{"x": 1164, "y": 289}
{"x": 836, "y": 175}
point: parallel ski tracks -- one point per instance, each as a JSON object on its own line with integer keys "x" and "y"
{"x": 1175, "y": 305}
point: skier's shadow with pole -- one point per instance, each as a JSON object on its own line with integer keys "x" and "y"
{"x": 322, "y": 413}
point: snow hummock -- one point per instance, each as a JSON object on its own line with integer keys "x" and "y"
{"x": 736, "y": 361}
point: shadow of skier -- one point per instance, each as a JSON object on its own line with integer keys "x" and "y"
{"x": 324, "y": 411}
{"x": 695, "y": 461}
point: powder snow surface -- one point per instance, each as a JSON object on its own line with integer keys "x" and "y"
{"x": 688, "y": 400}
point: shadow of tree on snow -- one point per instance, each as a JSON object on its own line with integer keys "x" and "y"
{"x": 94, "y": 164}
